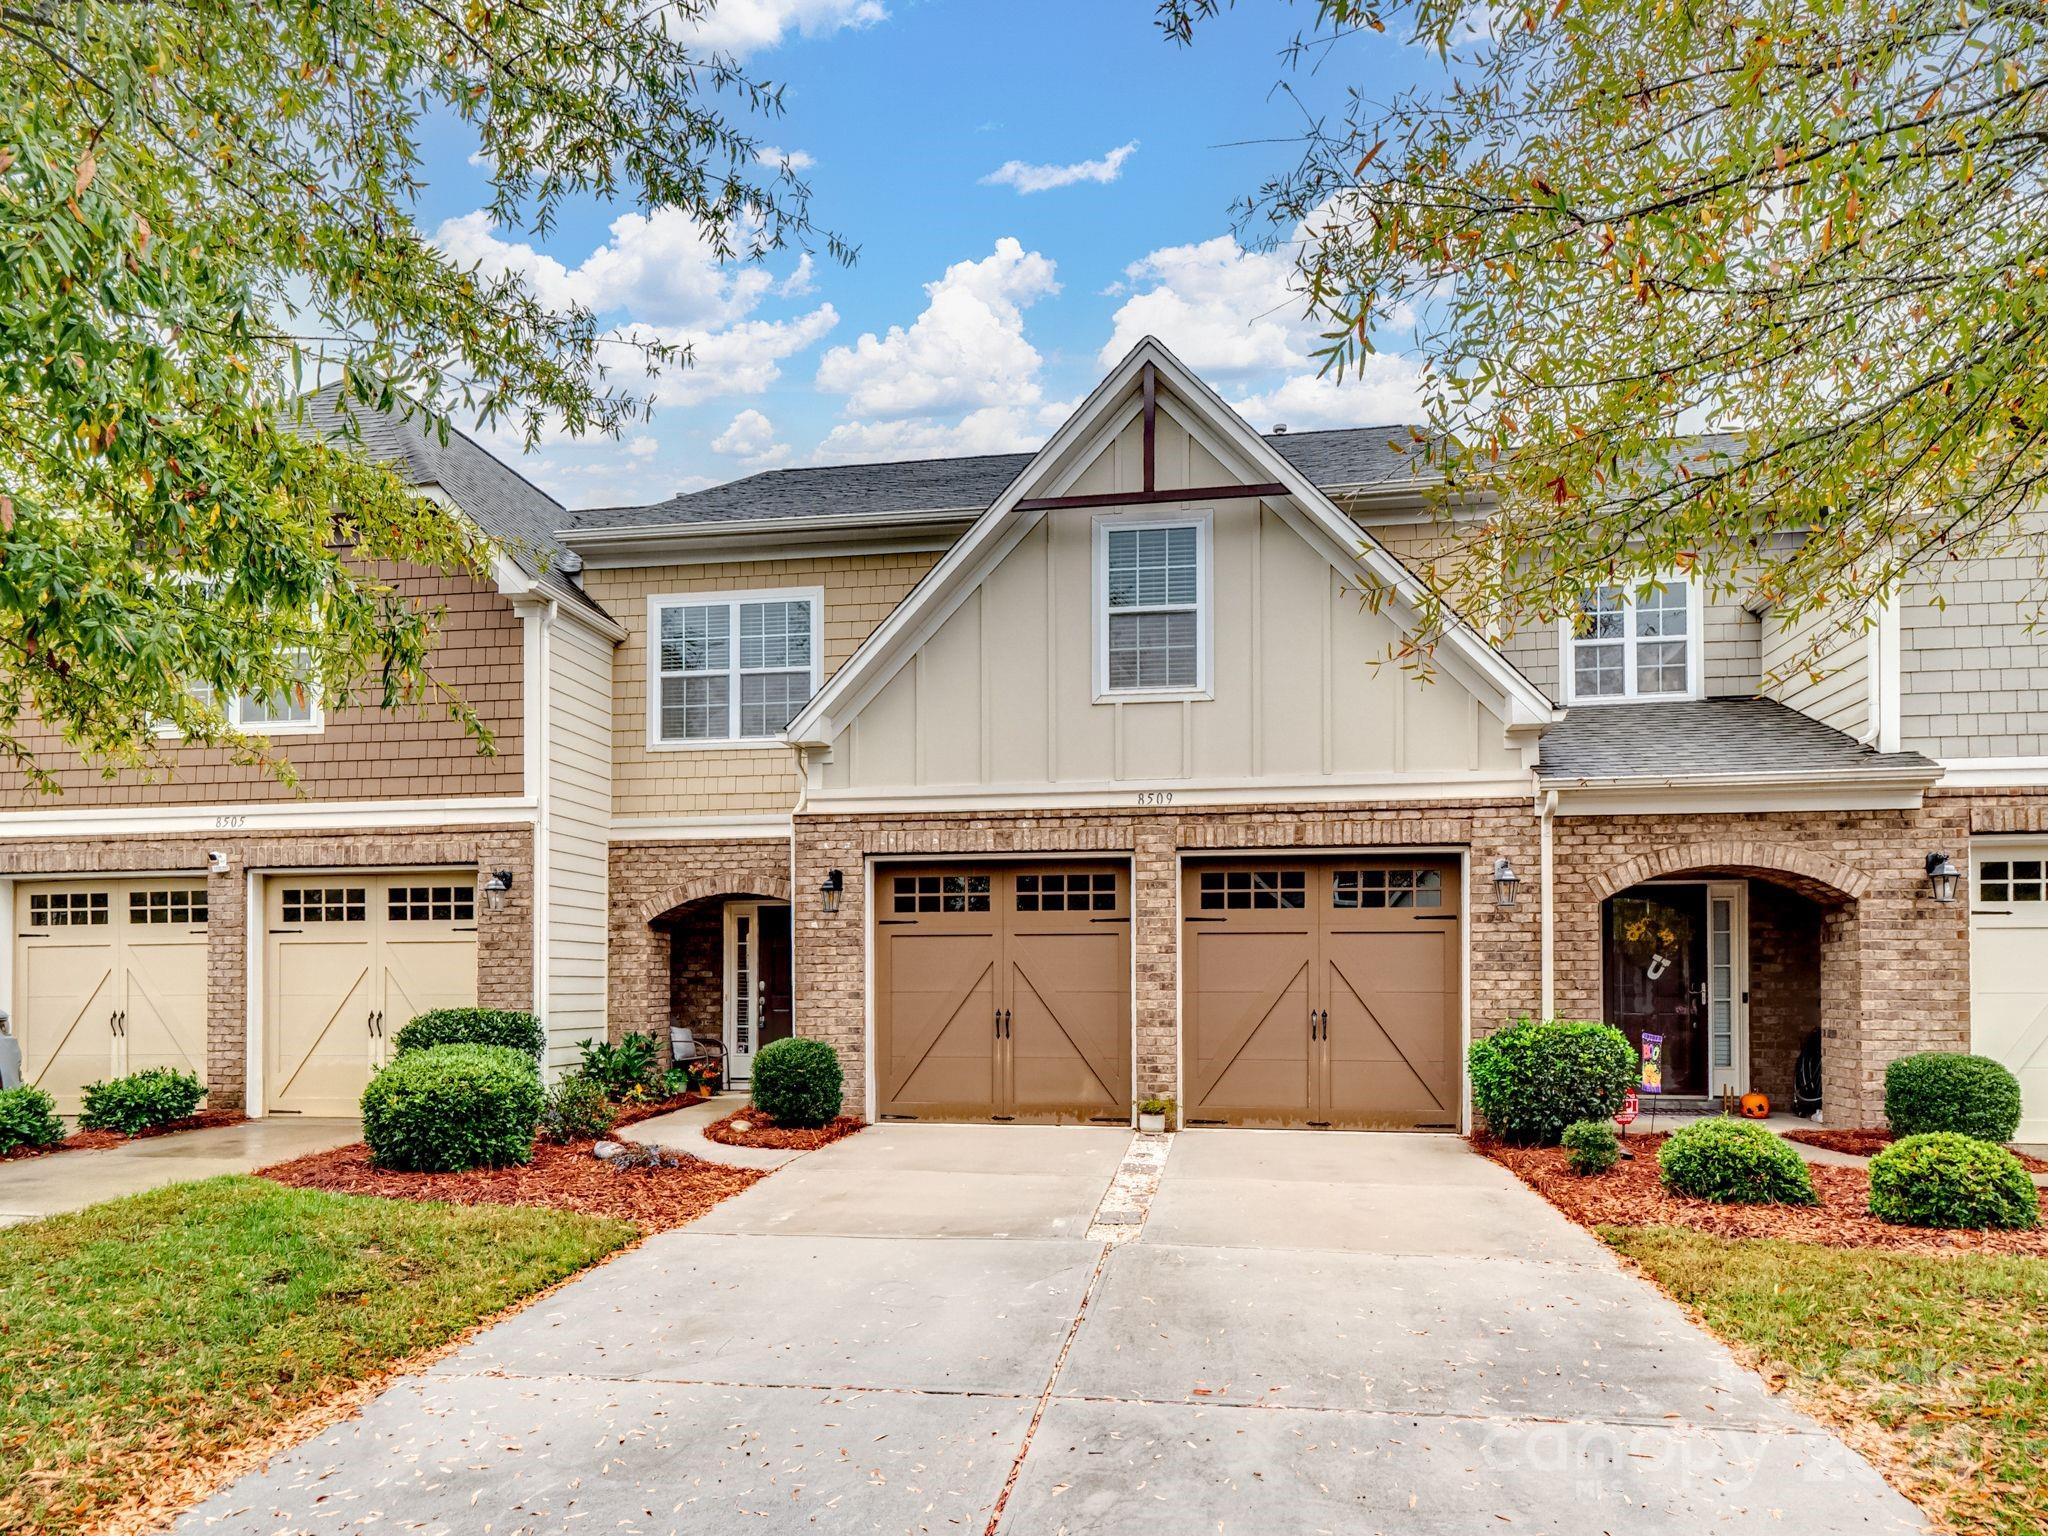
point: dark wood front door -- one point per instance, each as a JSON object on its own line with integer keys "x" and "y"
{"x": 773, "y": 961}
{"x": 1654, "y": 958}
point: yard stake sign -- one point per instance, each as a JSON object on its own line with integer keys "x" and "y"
{"x": 1653, "y": 1063}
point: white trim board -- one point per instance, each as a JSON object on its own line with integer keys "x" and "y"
{"x": 245, "y": 819}
{"x": 1168, "y": 795}
{"x": 699, "y": 829}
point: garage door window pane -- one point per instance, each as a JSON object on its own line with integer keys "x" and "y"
{"x": 432, "y": 904}
{"x": 68, "y": 909}
{"x": 173, "y": 909}
{"x": 1091, "y": 892}
{"x": 941, "y": 893}
{"x": 1252, "y": 890}
{"x": 1355, "y": 889}
{"x": 324, "y": 904}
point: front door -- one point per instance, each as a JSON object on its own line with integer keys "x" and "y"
{"x": 1654, "y": 958}
{"x": 758, "y": 1007}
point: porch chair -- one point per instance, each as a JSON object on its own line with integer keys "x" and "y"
{"x": 687, "y": 1048}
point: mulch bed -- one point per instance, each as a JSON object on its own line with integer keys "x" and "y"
{"x": 765, "y": 1133}
{"x": 1869, "y": 1140}
{"x": 94, "y": 1141}
{"x": 566, "y": 1177}
{"x": 633, "y": 1114}
{"x": 1631, "y": 1195}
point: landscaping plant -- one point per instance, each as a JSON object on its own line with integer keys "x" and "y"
{"x": 577, "y": 1109}
{"x": 1591, "y": 1146}
{"x": 678, "y": 1081}
{"x": 798, "y": 1082}
{"x": 1532, "y": 1079}
{"x": 1734, "y": 1162}
{"x": 28, "y": 1118}
{"x": 1951, "y": 1091}
{"x": 154, "y": 1096}
{"x": 474, "y": 1026}
{"x": 623, "y": 1068}
{"x": 451, "y": 1107}
{"x": 1944, "y": 1179}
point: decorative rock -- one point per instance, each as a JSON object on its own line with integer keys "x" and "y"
{"x": 741, "y": 1127}
{"x": 605, "y": 1151}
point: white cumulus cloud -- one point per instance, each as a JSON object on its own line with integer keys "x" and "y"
{"x": 992, "y": 429}
{"x": 752, "y": 26}
{"x": 1027, "y": 177}
{"x": 750, "y": 438}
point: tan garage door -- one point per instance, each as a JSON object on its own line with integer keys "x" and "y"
{"x": 2009, "y": 969}
{"x": 1003, "y": 993}
{"x": 1321, "y": 992}
{"x": 110, "y": 978}
{"x": 349, "y": 958}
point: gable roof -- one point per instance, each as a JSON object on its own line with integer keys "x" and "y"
{"x": 518, "y": 516}
{"x": 1716, "y": 738}
{"x": 1462, "y": 651}
{"x": 1346, "y": 456}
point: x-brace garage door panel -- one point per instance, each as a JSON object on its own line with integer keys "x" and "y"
{"x": 1003, "y": 993}
{"x": 1322, "y": 992}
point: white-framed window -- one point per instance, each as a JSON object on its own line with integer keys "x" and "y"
{"x": 731, "y": 668}
{"x": 1152, "y": 608}
{"x": 288, "y": 712}
{"x": 1630, "y": 645}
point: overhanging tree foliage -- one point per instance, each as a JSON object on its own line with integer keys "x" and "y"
{"x": 1820, "y": 224}
{"x": 201, "y": 200}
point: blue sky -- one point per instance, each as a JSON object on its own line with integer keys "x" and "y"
{"x": 984, "y": 302}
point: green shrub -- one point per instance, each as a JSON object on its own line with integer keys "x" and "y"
{"x": 28, "y": 1118}
{"x": 151, "y": 1097}
{"x": 450, "y": 1107}
{"x": 623, "y": 1067}
{"x": 474, "y": 1026}
{"x": 677, "y": 1081}
{"x": 1734, "y": 1162}
{"x": 798, "y": 1082}
{"x": 1946, "y": 1179}
{"x": 1532, "y": 1080}
{"x": 1951, "y": 1091}
{"x": 577, "y": 1109}
{"x": 1591, "y": 1146}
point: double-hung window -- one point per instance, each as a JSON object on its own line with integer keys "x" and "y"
{"x": 292, "y": 711}
{"x": 731, "y": 667}
{"x": 1153, "y": 583}
{"x": 1640, "y": 644}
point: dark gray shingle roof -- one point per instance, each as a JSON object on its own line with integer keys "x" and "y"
{"x": 518, "y": 515}
{"x": 1704, "y": 737}
{"x": 1346, "y": 456}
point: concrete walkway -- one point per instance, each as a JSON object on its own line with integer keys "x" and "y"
{"x": 683, "y": 1131}
{"x": 910, "y": 1331}
{"x": 68, "y": 1181}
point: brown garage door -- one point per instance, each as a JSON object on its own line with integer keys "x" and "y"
{"x": 1321, "y": 992}
{"x": 1003, "y": 993}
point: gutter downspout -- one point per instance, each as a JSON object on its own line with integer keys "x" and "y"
{"x": 541, "y": 884}
{"x": 1546, "y": 812}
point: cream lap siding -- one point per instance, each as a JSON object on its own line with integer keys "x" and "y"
{"x": 576, "y": 859}
{"x": 860, "y": 591}
{"x": 1827, "y": 677}
{"x": 1973, "y": 677}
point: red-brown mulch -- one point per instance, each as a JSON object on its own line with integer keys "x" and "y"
{"x": 564, "y": 1177}
{"x": 93, "y": 1141}
{"x": 1869, "y": 1140}
{"x": 763, "y": 1132}
{"x": 1631, "y": 1195}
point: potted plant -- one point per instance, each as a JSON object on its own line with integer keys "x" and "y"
{"x": 1154, "y": 1113}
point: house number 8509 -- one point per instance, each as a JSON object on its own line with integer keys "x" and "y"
{"x": 1155, "y": 797}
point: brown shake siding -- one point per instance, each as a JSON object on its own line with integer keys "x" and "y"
{"x": 362, "y": 753}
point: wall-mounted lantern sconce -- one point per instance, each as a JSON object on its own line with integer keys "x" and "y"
{"x": 829, "y": 892}
{"x": 496, "y": 887}
{"x": 1504, "y": 882}
{"x": 1942, "y": 878}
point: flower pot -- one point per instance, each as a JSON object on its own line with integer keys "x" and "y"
{"x": 1147, "y": 1122}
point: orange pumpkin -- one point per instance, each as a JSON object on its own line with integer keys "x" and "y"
{"x": 1756, "y": 1106}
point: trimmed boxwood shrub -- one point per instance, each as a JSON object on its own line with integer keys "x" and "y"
{"x": 1734, "y": 1162}
{"x": 1591, "y": 1146}
{"x": 1532, "y": 1080}
{"x": 1951, "y": 1091}
{"x": 451, "y": 1107}
{"x": 798, "y": 1082}
{"x": 1944, "y": 1179}
{"x": 473, "y": 1026}
{"x": 153, "y": 1096}
{"x": 578, "y": 1109}
{"x": 28, "y": 1118}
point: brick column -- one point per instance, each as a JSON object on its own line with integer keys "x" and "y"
{"x": 1155, "y": 951}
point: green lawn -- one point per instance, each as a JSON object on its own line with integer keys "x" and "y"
{"x": 164, "y": 1329}
{"x": 1943, "y": 1359}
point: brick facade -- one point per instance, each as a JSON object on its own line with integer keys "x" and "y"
{"x": 504, "y": 939}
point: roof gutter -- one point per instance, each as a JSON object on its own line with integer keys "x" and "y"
{"x": 926, "y": 525}
{"x": 1866, "y": 778}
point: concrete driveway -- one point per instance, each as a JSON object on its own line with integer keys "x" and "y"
{"x": 916, "y": 1331}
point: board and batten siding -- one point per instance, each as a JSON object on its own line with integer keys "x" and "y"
{"x": 1825, "y": 676}
{"x": 575, "y": 860}
{"x": 1973, "y": 673}
{"x": 1003, "y": 693}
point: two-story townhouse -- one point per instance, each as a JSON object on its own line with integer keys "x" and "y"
{"x": 1035, "y": 782}
{"x": 207, "y": 918}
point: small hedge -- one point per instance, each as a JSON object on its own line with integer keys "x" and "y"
{"x": 474, "y": 1026}
{"x": 1591, "y": 1146}
{"x": 1951, "y": 1091}
{"x": 1532, "y": 1080}
{"x": 1945, "y": 1179}
{"x": 451, "y": 1107}
{"x": 577, "y": 1109}
{"x": 1734, "y": 1162}
{"x": 798, "y": 1082}
{"x": 28, "y": 1118}
{"x": 154, "y": 1096}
